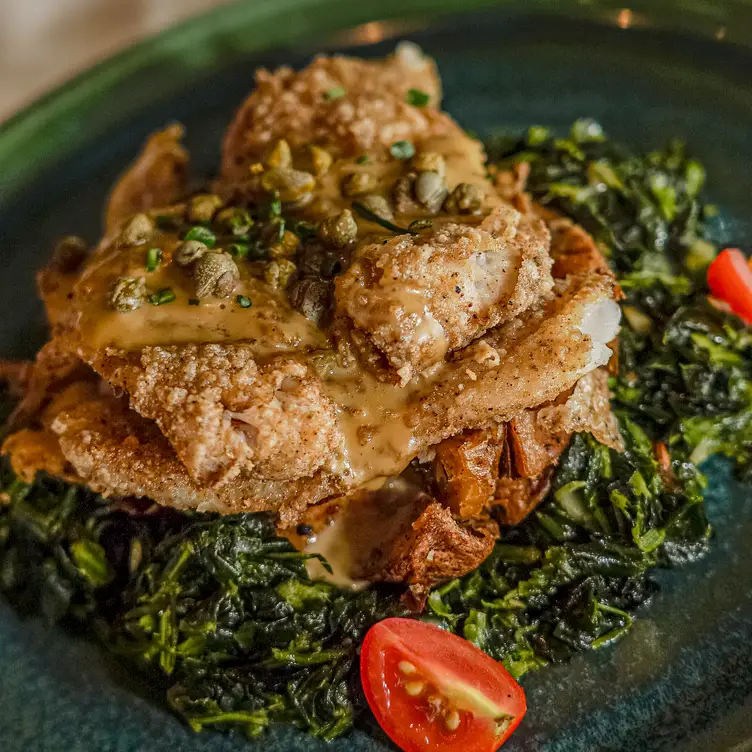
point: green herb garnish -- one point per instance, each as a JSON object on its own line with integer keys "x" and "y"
{"x": 203, "y": 234}
{"x": 402, "y": 150}
{"x": 417, "y": 98}
{"x": 336, "y": 92}
{"x": 243, "y": 301}
{"x": 362, "y": 159}
{"x": 366, "y": 213}
{"x": 153, "y": 259}
{"x": 162, "y": 297}
{"x": 239, "y": 250}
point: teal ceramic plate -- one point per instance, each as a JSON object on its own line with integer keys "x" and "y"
{"x": 682, "y": 680}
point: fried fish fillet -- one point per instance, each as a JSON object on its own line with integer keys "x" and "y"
{"x": 231, "y": 408}
{"x": 359, "y": 105}
{"x": 413, "y": 299}
{"x": 223, "y": 412}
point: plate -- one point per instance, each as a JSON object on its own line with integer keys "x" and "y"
{"x": 682, "y": 679}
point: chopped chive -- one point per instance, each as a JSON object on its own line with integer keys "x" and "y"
{"x": 362, "y": 159}
{"x": 194, "y": 301}
{"x": 417, "y": 98}
{"x": 366, "y": 213}
{"x": 239, "y": 250}
{"x": 303, "y": 229}
{"x": 153, "y": 259}
{"x": 161, "y": 297}
{"x": 275, "y": 207}
{"x": 168, "y": 221}
{"x": 420, "y": 224}
{"x": 243, "y": 301}
{"x": 203, "y": 234}
{"x": 402, "y": 150}
{"x": 336, "y": 92}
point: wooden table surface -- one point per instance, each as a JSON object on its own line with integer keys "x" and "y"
{"x": 45, "y": 42}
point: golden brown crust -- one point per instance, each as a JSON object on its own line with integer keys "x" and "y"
{"x": 157, "y": 177}
{"x": 55, "y": 366}
{"x": 32, "y": 451}
{"x": 415, "y": 299}
{"x": 368, "y": 113}
{"x": 223, "y": 413}
{"x": 538, "y": 437}
{"x": 116, "y": 452}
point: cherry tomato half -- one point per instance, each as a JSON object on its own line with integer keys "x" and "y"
{"x": 730, "y": 280}
{"x": 432, "y": 690}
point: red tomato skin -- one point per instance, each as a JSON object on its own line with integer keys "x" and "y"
{"x": 402, "y": 717}
{"x": 730, "y": 280}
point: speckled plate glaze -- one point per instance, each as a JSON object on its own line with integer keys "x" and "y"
{"x": 682, "y": 679}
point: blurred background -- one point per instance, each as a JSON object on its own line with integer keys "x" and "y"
{"x": 45, "y": 42}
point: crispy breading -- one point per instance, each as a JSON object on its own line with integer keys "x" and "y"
{"x": 116, "y": 452}
{"x": 467, "y": 468}
{"x": 437, "y": 548}
{"x": 540, "y": 355}
{"x": 224, "y": 413}
{"x": 55, "y": 366}
{"x": 357, "y": 105}
{"x": 538, "y": 437}
{"x": 157, "y": 177}
{"x": 31, "y": 451}
{"x": 413, "y": 299}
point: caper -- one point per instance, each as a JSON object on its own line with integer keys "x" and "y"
{"x": 402, "y": 194}
{"x": 188, "y": 252}
{"x": 289, "y": 184}
{"x": 466, "y": 198}
{"x": 311, "y": 296}
{"x": 69, "y": 253}
{"x": 128, "y": 293}
{"x": 204, "y": 207}
{"x": 378, "y": 205}
{"x": 285, "y": 246}
{"x": 216, "y": 274}
{"x": 429, "y": 161}
{"x": 280, "y": 156}
{"x": 278, "y": 273}
{"x": 321, "y": 158}
{"x": 136, "y": 230}
{"x": 358, "y": 184}
{"x": 430, "y": 190}
{"x": 339, "y": 230}
{"x": 238, "y": 221}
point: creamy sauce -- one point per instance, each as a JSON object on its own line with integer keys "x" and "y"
{"x": 271, "y": 325}
{"x": 353, "y": 534}
{"x": 465, "y": 163}
{"x": 370, "y": 414}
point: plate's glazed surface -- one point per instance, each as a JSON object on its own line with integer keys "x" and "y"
{"x": 682, "y": 680}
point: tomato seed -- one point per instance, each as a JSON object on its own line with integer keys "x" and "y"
{"x": 452, "y": 720}
{"x": 406, "y": 667}
{"x": 414, "y": 688}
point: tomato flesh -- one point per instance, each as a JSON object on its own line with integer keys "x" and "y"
{"x": 432, "y": 690}
{"x": 730, "y": 280}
